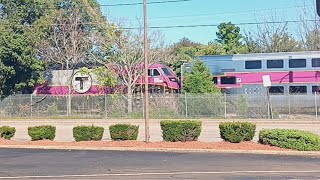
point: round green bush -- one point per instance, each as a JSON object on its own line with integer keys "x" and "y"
{"x": 290, "y": 139}
{"x": 88, "y": 133}
{"x": 7, "y": 132}
{"x": 42, "y": 132}
{"x": 174, "y": 131}
{"x": 123, "y": 132}
{"x": 236, "y": 132}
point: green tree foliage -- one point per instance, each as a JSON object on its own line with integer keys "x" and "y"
{"x": 29, "y": 40}
{"x": 185, "y": 51}
{"x": 199, "y": 80}
{"x": 106, "y": 77}
{"x": 273, "y": 38}
{"x": 229, "y": 37}
{"x": 312, "y": 42}
{"x": 77, "y": 39}
{"x": 280, "y": 43}
{"x": 20, "y": 67}
{"x": 211, "y": 49}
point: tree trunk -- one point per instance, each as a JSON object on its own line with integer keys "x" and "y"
{"x": 129, "y": 99}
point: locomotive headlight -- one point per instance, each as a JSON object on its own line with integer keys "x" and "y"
{"x": 173, "y": 79}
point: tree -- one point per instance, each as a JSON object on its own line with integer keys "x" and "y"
{"x": 274, "y": 37}
{"x": 199, "y": 80}
{"x": 69, "y": 42}
{"x": 185, "y": 50}
{"x": 76, "y": 36}
{"x": 126, "y": 58}
{"x": 20, "y": 67}
{"x": 313, "y": 40}
{"x": 229, "y": 37}
{"x": 309, "y": 31}
{"x": 211, "y": 49}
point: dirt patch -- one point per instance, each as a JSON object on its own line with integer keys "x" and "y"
{"x": 139, "y": 144}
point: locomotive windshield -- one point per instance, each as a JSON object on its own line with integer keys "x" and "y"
{"x": 166, "y": 71}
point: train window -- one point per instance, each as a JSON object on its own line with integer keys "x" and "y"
{"x": 156, "y": 72}
{"x": 153, "y": 72}
{"x": 215, "y": 80}
{"x": 274, "y": 64}
{"x": 297, "y": 63}
{"x": 316, "y": 62}
{"x": 228, "y": 70}
{"x": 253, "y": 64}
{"x": 166, "y": 71}
{"x": 298, "y": 89}
{"x": 276, "y": 90}
{"x": 228, "y": 80}
{"x": 316, "y": 89}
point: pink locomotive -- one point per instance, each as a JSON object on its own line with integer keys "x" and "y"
{"x": 161, "y": 79}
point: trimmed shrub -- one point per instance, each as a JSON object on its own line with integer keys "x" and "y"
{"x": 7, "y": 132}
{"x": 290, "y": 139}
{"x": 88, "y": 133}
{"x": 42, "y": 132}
{"x": 236, "y": 132}
{"x": 174, "y": 131}
{"x": 123, "y": 132}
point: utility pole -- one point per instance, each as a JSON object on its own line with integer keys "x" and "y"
{"x": 146, "y": 66}
{"x": 318, "y": 7}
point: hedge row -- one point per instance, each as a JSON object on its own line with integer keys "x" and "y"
{"x": 7, "y": 132}
{"x": 88, "y": 133}
{"x": 184, "y": 131}
{"x": 42, "y": 132}
{"x": 80, "y": 133}
{"x": 236, "y": 132}
{"x": 172, "y": 131}
{"x": 290, "y": 139}
{"x": 180, "y": 130}
{"x": 123, "y": 132}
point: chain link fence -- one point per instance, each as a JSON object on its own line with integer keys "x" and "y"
{"x": 162, "y": 106}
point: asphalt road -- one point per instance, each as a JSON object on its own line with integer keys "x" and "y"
{"x": 64, "y": 164}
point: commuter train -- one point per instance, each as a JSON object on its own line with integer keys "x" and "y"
{"x": 161, "y": 79}
{"x": 290, "y": 72}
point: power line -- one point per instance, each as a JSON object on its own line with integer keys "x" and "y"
{"x": 225, "y": 13}
{"x": 237, "y": 24}
{"x": 141, "y": 3}
{"x": 179, "y": 26}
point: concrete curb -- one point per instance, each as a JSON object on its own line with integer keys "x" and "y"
{"x": 113, "y": 121}
{"x": 174, "y": 150}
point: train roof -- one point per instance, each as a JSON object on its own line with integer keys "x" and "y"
{"x": 263, "y": 56}
{"x": 155, "y": 65}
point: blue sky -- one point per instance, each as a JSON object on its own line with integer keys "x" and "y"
{"x": 197, "y": 12}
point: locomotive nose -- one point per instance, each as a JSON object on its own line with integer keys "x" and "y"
{"x": 173, "y": 79}
{"x": 174, "y": 82}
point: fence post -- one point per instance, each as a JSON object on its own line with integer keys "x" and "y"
{"x": 67, "y": 103}
{"x": 105, "y": 105}
{"x": 142, "y": 100}
{"x": 11, "y": 104}
{"x": 225, "y": 105}
{"x": 315, "y": 104}
{"x": 268, "y": 107}
{"x": 186, "y": 104}
{"x": 289, "y": 105}
{"x": 31, "y": 105}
